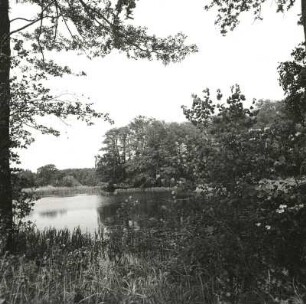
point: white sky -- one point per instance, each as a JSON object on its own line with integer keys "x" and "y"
{"x": 127, "y": 88}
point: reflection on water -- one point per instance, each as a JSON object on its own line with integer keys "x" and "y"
{"x": 67, "y": 212}
{"x": 145, "y": 205}
{"x": 52, "y": 213}
{"x": 91, "y": 212}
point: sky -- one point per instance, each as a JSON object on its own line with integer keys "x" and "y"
{"x": 126, "y": 88}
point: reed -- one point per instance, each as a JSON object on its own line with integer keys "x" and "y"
{"x": 147, "y": 190}
{"x": 63, "y": 267}
{"x": 69, "y": 191}
{"x": 63, "y": 191}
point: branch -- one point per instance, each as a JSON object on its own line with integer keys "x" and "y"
{"x": 25, "y": 26}
{"x": 68, "y": 28}
{"x": 56, "y": 21}
{"x": 40, "y": 31}
{"x": 88, "y": 9}
{"x": 31, "y": 22}
{"x": 20, "y": 18}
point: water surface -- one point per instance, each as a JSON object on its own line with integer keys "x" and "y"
{"x": 91, "y": 212}
{"x": 67, "y": 212}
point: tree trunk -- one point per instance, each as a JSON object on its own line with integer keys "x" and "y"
{"x": 5, "y": 173}
{"x": 303, "y": 18}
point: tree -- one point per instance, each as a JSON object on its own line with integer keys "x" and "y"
{"x": 92, "y": 27}
{"x": 292, "y": 74}
{"x": 5, "y": 173}
{"x": 26, "y": 179}
{"x": 47, "y": 175}
{"x": 229, "y": 12}
{"x": 69, "y": 181}
{"x": 252, "y": 177}
{"x": 122, "y": 149}
{"x": 149, "y": 153}
{"x": 85, "y": 176}
{"x": 111, "y": 164}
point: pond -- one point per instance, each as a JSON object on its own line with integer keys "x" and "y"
{"x": 93, "y": 212}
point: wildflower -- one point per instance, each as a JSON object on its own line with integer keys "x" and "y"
{"x": 280, "y": 210}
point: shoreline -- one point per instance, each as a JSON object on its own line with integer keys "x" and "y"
{"x": 59, "y": 191}
{"x": 64, "y": 191}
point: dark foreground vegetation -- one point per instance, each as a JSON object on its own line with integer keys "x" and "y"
{"x": 62, "y": 267}
{"x": 188, "y": 254}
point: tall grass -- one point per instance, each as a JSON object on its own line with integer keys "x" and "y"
{"x": 69, "y": 191}
{"x": 149, "y": 190}
{"x": 63, "y": 191}
{"x": 64, "y": 267}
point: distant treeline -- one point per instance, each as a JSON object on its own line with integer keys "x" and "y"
{"x": 50, "y": 175}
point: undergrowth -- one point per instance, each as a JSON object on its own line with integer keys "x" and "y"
{"x": 63, "y": 267}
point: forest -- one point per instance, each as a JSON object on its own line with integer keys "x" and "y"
{"x": 151, "y": 153}
{"x": 148, "y": 153}
{"x": 49, "y": 175}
